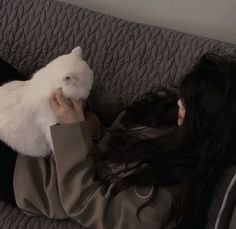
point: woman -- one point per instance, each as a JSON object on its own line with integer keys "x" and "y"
{"x": 148, "y": 179}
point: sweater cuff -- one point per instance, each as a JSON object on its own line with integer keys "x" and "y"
{"x": 70, "y": 135}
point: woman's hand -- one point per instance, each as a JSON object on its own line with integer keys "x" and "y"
{"x": 66, "y": 110}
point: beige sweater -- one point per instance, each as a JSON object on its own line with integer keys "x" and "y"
{"x": 63, "y": 186}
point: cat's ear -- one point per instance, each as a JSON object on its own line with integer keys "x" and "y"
{"x": 77, "y": 51}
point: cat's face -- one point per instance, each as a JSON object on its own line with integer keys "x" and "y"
{"x": 71, "y": 73}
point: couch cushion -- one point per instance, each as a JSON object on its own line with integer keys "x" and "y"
{"x": 223, "y": 201}
{"x": 233, "y": 220}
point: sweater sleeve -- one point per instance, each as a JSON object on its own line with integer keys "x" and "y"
{"x": 88, "y": 201}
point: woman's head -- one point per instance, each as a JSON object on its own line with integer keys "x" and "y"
{"x": 157, "y": 109}
{"x": 191, "y": 157}
{"x": 208, "y": 105}
{"x": 208, "y": 95}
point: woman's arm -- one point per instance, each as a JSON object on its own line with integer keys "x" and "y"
{"x": 82, "y": 198}
{"x": 88, "y": 201}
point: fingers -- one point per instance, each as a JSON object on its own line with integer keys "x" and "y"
{"x": 53, "y": 102}
{"x": 64, "y": 112}
{"x": 57, "y": 100}
{"x": 61, "y": 99}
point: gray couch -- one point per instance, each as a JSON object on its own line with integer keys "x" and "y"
{"x": 128, "y": 60}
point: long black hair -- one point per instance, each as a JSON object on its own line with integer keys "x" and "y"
{"x": 187, "y": 160}
{"x": 209, "y": 97}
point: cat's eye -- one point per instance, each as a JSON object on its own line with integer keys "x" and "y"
{"x": 67, "y": 79}
{"x": 70, "y": 79}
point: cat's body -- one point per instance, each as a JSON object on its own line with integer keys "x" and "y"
{"x": 25, "y": 115}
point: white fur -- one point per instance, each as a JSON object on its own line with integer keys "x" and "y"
{"x": 25, "y": 115}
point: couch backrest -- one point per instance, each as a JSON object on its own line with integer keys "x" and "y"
{"x": 128, "y": 58}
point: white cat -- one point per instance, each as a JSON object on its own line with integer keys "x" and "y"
{"x": 25, "y": 115}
